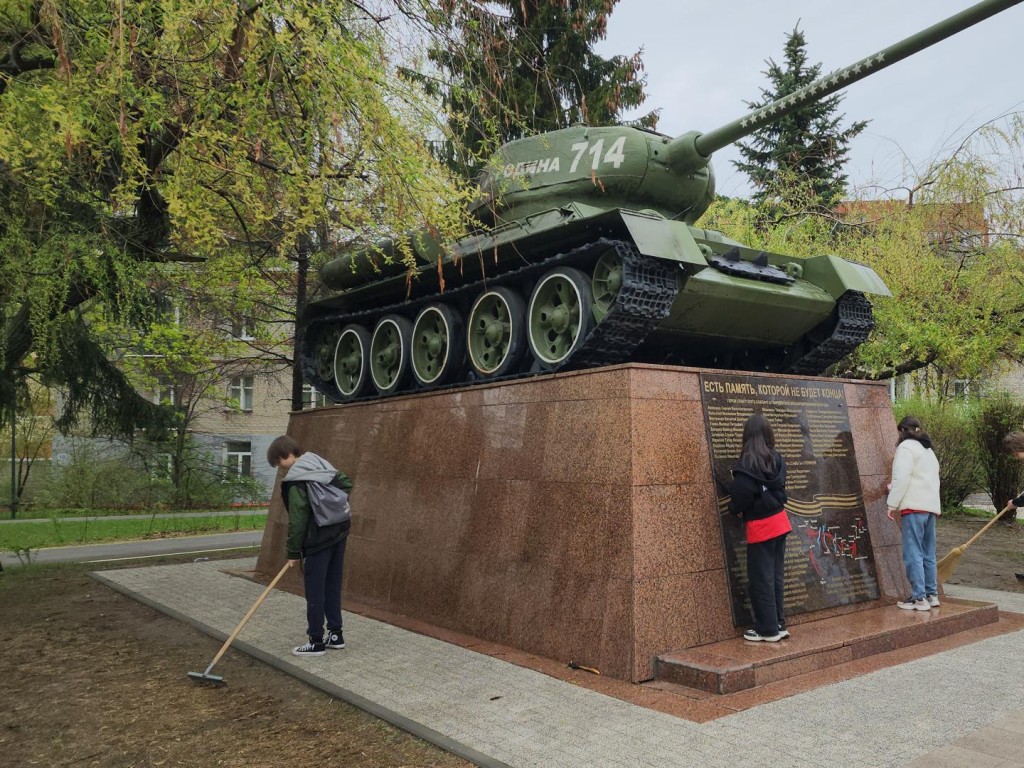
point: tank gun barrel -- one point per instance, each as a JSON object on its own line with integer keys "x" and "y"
{"x": 693, "y": 150}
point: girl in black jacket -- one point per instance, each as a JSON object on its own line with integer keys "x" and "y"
{"x": 759, "y": 499}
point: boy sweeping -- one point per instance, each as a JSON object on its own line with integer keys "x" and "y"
{"x": 315, "y": 496}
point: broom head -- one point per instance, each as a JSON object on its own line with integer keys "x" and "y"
{"x": 944, "y": 568}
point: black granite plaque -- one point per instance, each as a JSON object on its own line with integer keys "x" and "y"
{"x": 829, "y": 560}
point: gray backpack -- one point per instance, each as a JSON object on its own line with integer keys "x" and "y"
{"x": 329, "y": 504}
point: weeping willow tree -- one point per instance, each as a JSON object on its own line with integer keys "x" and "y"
{"x": 220, "y": 132}
{"x": 948, "y": 242}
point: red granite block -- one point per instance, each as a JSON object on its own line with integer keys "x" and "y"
{"x": 675, "y": 530}
{"x": 663, "y": 619}
{"x": 581, "y": 441}
{"x": 868, "y": 394}
{"x": 884, "y": 532}
{"x": 891, "y": 573}
{"x": 664, "y": 384}
{"x": 669, "y": 443}
{"x": 575, "y": 385}
{"x": 800, "y": 665}
{"x": 585, "y": 524}
{"x": 874, "y": 447}
{"x": 713, "y": 605}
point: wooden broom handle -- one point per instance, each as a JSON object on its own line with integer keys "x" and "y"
{"x": 988, "y": 525}
{"x": 242, "y": 623}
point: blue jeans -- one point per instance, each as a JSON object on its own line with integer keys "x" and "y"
{"x": 919, "y": 554}
{"x": 322, "y": 572}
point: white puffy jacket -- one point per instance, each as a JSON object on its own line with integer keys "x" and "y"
{"x": 915, "y": 478}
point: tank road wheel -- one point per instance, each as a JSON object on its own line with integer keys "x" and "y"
{"x": 606, "y": 283}
{"x": 436, "y": 344}
{"x": 496, "y": 334}
{"x": 389, "y": 353}
{"x": 325, "y": 354}
{"x": 560, "y": 315}
{"x": 352, "y": 361}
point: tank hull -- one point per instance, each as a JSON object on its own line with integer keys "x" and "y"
{"x": 681, "y": 295}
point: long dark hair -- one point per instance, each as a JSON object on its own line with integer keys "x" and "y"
{"x": 758, "y": 445}
{"x": 910, "y": 429}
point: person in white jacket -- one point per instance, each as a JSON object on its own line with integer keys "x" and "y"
{"x": 914, "y": 493}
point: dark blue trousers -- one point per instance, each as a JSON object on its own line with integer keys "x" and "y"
{"x": 322, "y": 580}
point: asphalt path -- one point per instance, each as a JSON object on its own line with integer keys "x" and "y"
{"x": 133, "y": 550}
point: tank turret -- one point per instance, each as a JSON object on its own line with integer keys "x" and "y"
{"x": 593, "y": 258}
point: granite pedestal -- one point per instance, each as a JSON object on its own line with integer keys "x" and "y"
{"x": 571, "y": 516}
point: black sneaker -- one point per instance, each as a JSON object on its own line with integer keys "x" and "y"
{"x": 334, "y": 639}
{"x": 309, "y": 648}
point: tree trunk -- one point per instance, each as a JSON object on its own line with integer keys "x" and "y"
{"x": 301, "y": 275}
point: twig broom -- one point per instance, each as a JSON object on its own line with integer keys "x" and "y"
{"x": 945, "y": 566}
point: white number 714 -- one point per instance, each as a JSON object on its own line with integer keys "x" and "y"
{"x": 615, "y": 154}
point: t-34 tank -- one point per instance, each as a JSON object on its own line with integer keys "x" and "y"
{"x": 588, "y": 255}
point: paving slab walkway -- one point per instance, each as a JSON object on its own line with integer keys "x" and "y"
{"x": 925, "y": 712}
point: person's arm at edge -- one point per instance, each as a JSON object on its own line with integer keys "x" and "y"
{"x": 902, "y": 464}
{"x": 741, "y": 497}
{"x": 298, "y": 520}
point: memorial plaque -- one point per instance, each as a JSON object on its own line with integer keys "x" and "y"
{"x": 829, "y": 560}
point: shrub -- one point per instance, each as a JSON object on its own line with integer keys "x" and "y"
{"x": 98, "y": 479}
{"x": 999, "y": 415}
{"x": 951, "y": 426}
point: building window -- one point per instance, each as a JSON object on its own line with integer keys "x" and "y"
{"x": 162, "y": 467}
{"x": 241, "y": 393}
{"x": 165, "y": 393}
{"x": 899, "y": 388}
{"x": 238, "y": 460}
{"x": 311, "y": 398}
{"x": 961, "y": 389}
{"x": 241, "y": 328}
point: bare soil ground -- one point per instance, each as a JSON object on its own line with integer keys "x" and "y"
{"x": 92, "y": 678}
{"x": 991, "y": 562}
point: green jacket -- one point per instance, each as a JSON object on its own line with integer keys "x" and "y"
{"x": 304, "y": 536}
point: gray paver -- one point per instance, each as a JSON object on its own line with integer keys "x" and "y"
{"x": 540, "y": 721}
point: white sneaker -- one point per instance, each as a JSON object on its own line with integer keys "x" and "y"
{"x": 914, "y": 605}
{"x": 755, "y": 637}
{"x": 933, "y": 601}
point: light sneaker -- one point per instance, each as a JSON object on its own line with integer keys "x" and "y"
{"x": 783, "y": 632}
{"x": 756, "y": 637}
{"x": 334, "y": 639}
{"x": 933, "y": 601}
{"x": 309, "y": 648}
{"x": 910, "y": 604}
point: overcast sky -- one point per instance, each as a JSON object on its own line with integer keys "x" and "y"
{"x": 703, "y": 59}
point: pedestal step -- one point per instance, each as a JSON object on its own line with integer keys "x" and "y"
{"x": 736, "y": 664}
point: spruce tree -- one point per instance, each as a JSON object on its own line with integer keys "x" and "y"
{"x": 515, "y": 68}
{"x": 799, "y": 159}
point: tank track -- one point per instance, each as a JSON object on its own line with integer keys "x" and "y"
{"x": 648, "y": 289}
{"x": 853, "y": 323}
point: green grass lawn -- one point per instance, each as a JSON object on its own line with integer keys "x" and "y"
{"x": 60, "y": 532}
{"x": 46, "y": 513}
